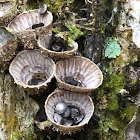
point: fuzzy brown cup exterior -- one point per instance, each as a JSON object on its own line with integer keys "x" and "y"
{"x": 32, "y": 70}
{"x": 79, "y": 100}
{"x": 82, "y": 70}
{"x": 44, "y": 44}
{"x": 23, "y": 23}
{"x": 8, "y": 11}
{"x": 8, "y": 45}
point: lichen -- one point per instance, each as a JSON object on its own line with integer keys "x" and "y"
{"x": 17, "y": 110}
{"x": 112, "y": 48}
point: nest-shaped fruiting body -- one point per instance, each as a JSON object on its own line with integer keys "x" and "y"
{"x": 78, "y": 74}
{"x": 8, "y": 11}
{"x": 29, "y": 25}
{"x": 8, "y": 45}
{"x": 48, "y": 41}
{"x": 82, "y": 101}
{"x": 31, "y": 69}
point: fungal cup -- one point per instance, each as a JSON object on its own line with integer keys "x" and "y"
{"x": 75, "y": 100}
{"x": 29, "y": 25}
{"x": 78, "y": 74}
{"x": 31, "y": 69}
{"x": 56, "y": 47}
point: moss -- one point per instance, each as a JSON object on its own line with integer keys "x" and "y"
{"x": 29, "y": 135}
{"x": 106, "y": 129}
{"x": 134, "y": 82}
{"x": 123, "y": 117}
{"x": 2, "y": 119}
{"x": 117, "y": 122}
{"x": 57, "y": 6}
{"x": 15, "y": 135}
{"x": 11, "y": 124}
{"x": 119, "y": 60}
{"x": 112, "y": 104}
{"x": 113, "y": 83}
{"x": 74, "y": 33}
{"x": 32, "y": 4}
{"x": 118, "y": 113}
{"x": 128, "y": 112}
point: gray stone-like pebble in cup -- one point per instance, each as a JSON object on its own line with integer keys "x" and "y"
{"x": 67, "y": 115}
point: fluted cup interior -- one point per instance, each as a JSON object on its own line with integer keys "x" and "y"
{"x": 82, "y": 70}
{"x": 27, "y": 20}
{"x": 82, "y": 101}
{"x": 31, "y": 69}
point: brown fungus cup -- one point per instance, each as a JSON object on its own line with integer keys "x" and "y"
{"x": 31, "y": 69}
{"x": 8, "y": 11}
{"x": 78, "y": 74}
{"x": 29, "y": 25}
{"x": 81, "y": 102}
{"x": 8, "y": 45}
{"x": 56, "y": 47}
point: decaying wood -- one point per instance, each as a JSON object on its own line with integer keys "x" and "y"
{"x": 17, "y": 111}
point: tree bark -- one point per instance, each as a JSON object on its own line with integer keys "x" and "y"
{"x": 17, "y": 111}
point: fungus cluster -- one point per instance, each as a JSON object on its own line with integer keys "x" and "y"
{"x": 45, "y": 56}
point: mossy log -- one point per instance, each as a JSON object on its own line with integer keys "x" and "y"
{"x": 97, "y": 26}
